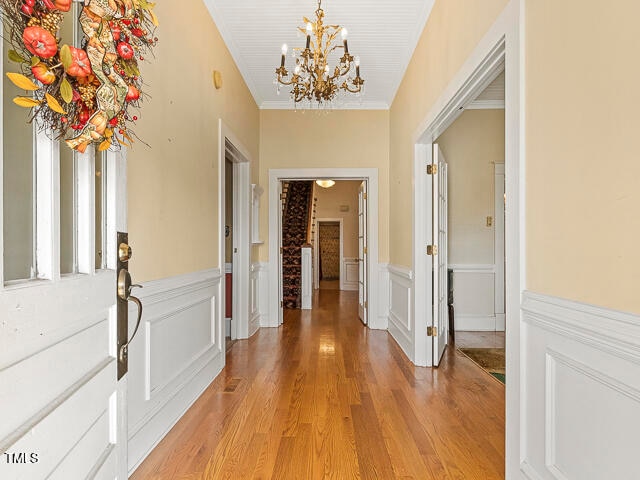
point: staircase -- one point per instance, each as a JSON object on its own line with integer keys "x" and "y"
{"x": 296, "y": 216}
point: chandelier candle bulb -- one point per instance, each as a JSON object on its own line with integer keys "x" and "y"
{"x": 309, "y": 30}
{"x": 344, "y": 40}
{"x": 357, "y": 66}
{"x": 284, "y": 53}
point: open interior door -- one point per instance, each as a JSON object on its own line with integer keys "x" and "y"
{"x": 440, "y": 328}
{"x": 280, "y": 292}
{"x": 362, "y": 252}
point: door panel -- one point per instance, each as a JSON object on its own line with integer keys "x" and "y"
{"x": 362, "y": 252}
{"x": 440, "y": 279}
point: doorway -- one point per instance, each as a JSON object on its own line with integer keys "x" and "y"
{"x": 329, "y": 254}
{"x": 234, "y": 162}
{"x": 370, "y": 262}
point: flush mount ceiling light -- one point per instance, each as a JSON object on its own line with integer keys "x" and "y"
{"x": 313, "y": 78}
{"x": 325, "y": 183}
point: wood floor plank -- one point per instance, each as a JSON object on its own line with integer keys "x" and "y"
{"x": 323, "y": 397}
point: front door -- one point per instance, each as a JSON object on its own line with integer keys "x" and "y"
{"x": 62, "y": 404}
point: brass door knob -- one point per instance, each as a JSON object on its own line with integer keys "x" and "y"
{"x": 124, "y": 252}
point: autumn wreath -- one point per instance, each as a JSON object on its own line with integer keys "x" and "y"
{"x": 82, "y": 95}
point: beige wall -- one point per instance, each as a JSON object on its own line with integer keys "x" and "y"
{"x": 338, "y": 139}
{"x": 173, "y": 219}
{"x": 583, "y": 172}
{"x": 453, "y": 30}
{"x": 471, "y": 146}
{"x": 329, "y": 202}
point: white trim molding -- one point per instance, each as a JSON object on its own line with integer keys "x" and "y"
{"x": 579, "y": 359}
{"x": 349, "y": 279}
{"x": 474, "y": 298}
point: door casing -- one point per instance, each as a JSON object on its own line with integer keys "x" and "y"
{"x": 502, "y": 47}
{"x": 375, "y": 318}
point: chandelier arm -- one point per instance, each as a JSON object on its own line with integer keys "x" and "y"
{"x": 290, "y": 82}
{"x": 345, "y": 86}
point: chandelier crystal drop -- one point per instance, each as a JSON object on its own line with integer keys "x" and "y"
{"x": 313, "y": 78}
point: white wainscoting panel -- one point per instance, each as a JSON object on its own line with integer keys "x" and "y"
{"x": 582, "y": 384}
{"x": 259, "y": 296}
{"x": 382, "y": 322}
{"x": 350, "y": 269}
{"x": 401, "y": 325}
{"x": 474, "y": 298}
{"x": 177, "y": 353}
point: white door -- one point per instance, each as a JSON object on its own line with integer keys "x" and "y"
{"x": 280, "y": 292}
{"x": 440, "y": 330}
{"x": 362, "y": 253}
{"x": 63, "y": 409}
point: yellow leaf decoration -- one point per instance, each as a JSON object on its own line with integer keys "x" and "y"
{"x": 22, "y": 82}
{"x": 108, "y": 133}
{"x": 104, "y": 145}
{"x": 54, "y": 105}
{"x": 26, "y": 102}
{"x": 65, "y": 56}
{"x": 66, "y": 91}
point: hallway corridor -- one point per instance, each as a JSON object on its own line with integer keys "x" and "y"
{"x": 324, "y": 397}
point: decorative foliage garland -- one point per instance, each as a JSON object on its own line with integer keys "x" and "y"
{"x": 85, "y": 93}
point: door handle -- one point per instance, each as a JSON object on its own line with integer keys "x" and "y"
{"x": 124, "y": 293}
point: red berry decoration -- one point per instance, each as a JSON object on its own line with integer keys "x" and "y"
{"x": 125, "y": 51}
{"x": 31, "y": 3}
{"x": 26, "y": 9}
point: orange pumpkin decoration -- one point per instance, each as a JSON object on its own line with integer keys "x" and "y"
{"x": 80, "y": 66}
{"x": 43, "y": 74}
{"x": 39, "y": 42}
{"x": 63, "y": 5}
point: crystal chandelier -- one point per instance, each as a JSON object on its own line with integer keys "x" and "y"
{"x": 313, "y": 77}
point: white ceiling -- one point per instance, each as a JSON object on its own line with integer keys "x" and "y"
{"x": 382, "y": 33}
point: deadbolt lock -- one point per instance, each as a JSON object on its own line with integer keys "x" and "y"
{"x": 124, "y": 252}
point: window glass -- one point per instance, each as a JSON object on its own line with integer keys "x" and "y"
{"x": 18, "y": 181}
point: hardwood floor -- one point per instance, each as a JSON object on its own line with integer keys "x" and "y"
{"x": 324, "y": 397}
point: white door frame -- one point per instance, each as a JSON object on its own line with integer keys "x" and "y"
{"x": 498, "y": 246}
{"x": 275, "y": 209}
{"x": 241, "y": 231}
{"x": 502, "y": 46}
{"x": 316, "y": 260}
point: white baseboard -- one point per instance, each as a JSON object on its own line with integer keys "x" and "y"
{"x": 581, "y": 385}
{"x": 180, "y": 317}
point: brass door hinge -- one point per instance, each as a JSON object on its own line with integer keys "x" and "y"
{"x": 432, "y": 331}
{"x": 432, "y": 169}
{"x": 364, "y": 250}
{"x": 281, "y": 250}
{"x": 281, "y": 304}
{"x": 364, "y": 196}
{"x": 432, "y": 250}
